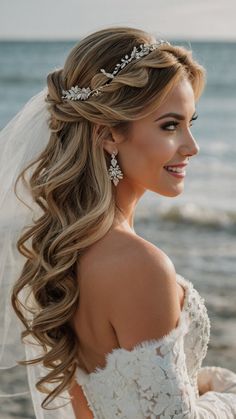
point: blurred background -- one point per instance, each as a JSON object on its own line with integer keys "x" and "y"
{"x": 197, "y": 229}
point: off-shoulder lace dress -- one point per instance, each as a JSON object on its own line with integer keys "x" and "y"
{"x": 157, "y": 379}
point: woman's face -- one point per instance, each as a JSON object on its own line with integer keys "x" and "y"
{"x": 157, "y": 141}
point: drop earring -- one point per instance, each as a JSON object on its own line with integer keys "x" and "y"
{"x": 114, "y": 170}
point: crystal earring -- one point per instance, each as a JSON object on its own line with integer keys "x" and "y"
{"x": 114, "y": 170}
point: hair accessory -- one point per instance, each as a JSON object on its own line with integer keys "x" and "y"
{"x": 78, "y": 93}
{"x": 145, "y": 49}
{"x": 114, "y": 170}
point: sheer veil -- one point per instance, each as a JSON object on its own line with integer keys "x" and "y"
{"x": 23, "y": 138}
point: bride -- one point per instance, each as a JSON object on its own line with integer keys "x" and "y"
{"x": 110, "y": 329}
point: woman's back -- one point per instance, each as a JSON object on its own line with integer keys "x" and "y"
{"x": 152, "y": 364}
{"x": 100, "y": 273}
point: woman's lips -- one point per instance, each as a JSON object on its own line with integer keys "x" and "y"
{"x": 180, "y": 174}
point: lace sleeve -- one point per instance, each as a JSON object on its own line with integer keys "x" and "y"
{"x": 154, "y": 380}
{"x": 164, "y": 388}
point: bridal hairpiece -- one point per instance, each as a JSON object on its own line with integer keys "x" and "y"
{"x": 78, "y": 93}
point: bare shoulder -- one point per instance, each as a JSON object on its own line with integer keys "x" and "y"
{"x": 142, "y": 295}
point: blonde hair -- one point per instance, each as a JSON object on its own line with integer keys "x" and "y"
{"x": 71, "y": 183}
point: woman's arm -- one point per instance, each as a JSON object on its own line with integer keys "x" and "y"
{"x": 212, "y": 378}
{"x": 79, "y": 403}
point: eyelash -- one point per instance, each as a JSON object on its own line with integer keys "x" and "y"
{"x": 175, "y": 123}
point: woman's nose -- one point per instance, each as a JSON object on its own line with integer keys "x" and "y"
{"x": 189, "y": 146}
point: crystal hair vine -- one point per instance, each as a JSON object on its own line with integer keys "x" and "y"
{"x": 78, "y": 93}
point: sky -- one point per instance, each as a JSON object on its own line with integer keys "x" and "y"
{"x": 73, "y": 19}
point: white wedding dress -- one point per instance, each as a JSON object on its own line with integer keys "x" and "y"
{"x": 157, "y": 379}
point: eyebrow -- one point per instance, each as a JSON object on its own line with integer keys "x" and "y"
{"x": 174, "y": 115}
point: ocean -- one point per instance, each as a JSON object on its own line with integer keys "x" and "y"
{"x": 196, "y": 229}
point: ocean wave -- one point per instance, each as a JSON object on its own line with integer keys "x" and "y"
{"x": 200, "y": 216}
{"x": 193, "y": 215}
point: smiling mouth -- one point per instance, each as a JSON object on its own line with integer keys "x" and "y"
{"x": 176, "y": 171}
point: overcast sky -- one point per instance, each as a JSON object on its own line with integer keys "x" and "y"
{"x": 71, "y": 19}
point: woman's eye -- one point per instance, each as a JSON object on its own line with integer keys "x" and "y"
{"x": 193, "y": 119}
{"x": 171, "y": 126}
{"x": 167, "y": 126}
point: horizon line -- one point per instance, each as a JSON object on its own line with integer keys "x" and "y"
{"x": 71, "y": 39}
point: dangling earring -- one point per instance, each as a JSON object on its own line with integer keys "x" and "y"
{"x": 114, "y": 170}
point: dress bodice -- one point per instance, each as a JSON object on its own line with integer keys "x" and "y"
{"x": 157, "y": 379}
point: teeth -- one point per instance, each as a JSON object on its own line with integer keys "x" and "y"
{"x": 175, "y": 169}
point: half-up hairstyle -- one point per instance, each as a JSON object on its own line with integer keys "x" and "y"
{"x": 71, "y": 184}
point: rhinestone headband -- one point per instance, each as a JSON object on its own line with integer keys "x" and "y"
{"x": 78, "y": 93}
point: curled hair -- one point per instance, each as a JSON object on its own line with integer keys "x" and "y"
{"x": 71, "y": 185}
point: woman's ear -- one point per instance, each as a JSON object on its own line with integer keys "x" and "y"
{"x": 110, "y": 137}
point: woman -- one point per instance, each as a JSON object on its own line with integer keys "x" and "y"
{"x": 109, "y": 320}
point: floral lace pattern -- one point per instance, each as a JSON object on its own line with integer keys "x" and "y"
{"x": 157, "y": 379}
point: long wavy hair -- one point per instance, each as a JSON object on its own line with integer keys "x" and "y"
{"x": 71, "y": 184}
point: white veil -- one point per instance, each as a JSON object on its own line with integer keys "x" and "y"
{"x": 23, "y": 138}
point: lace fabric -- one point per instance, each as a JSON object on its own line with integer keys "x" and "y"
{"x": 158, "y": 379}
